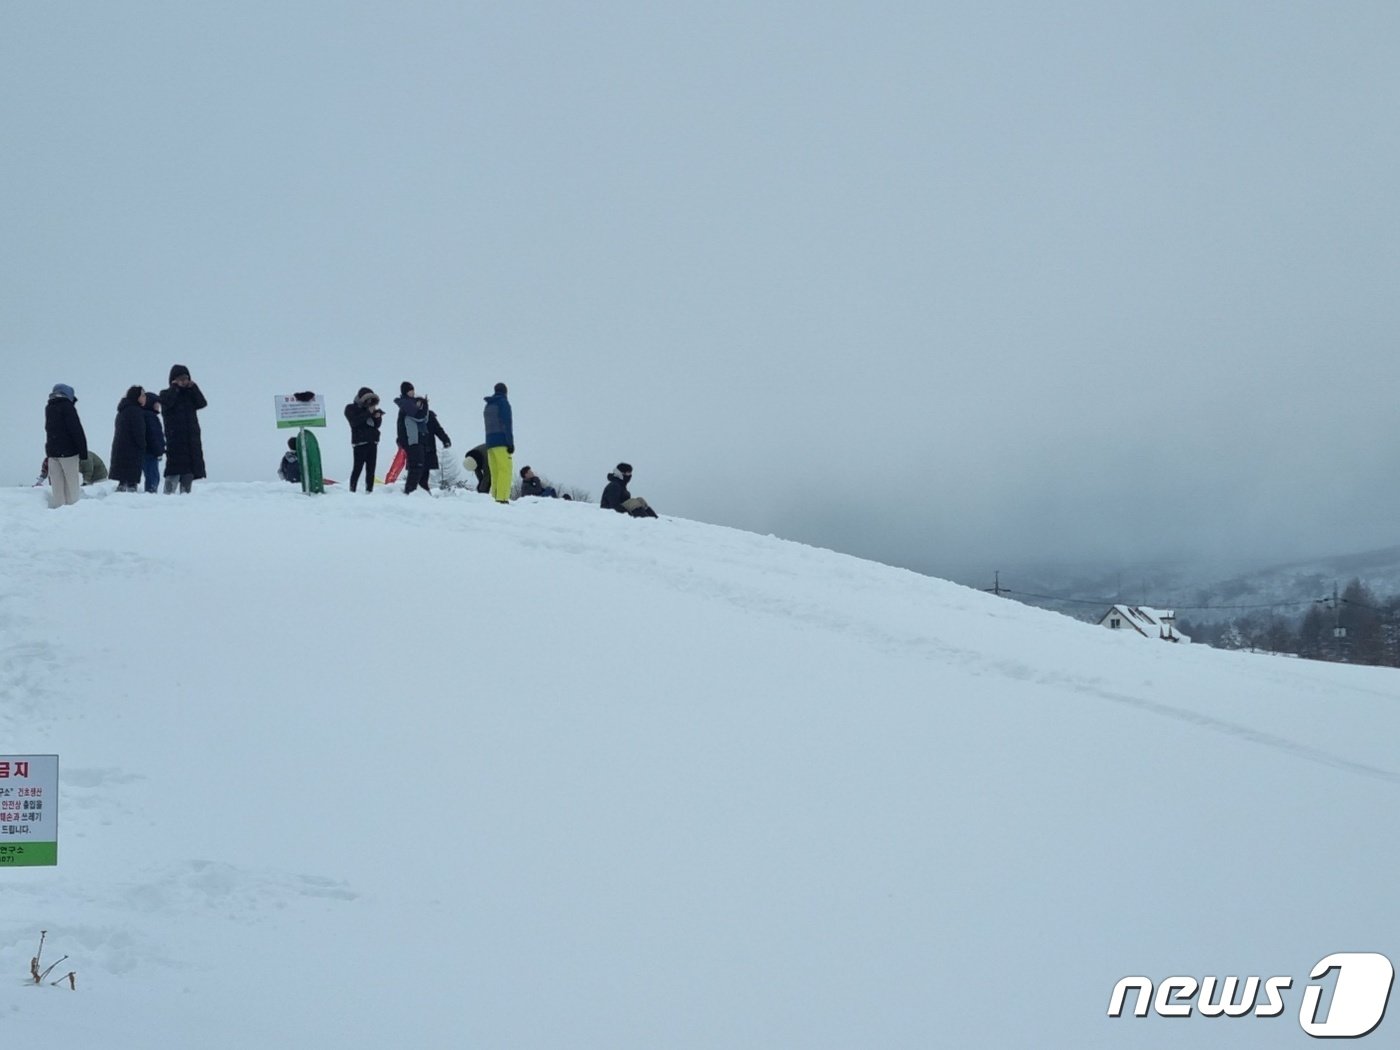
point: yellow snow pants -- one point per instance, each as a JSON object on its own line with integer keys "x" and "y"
{"x": 498, "y": 459}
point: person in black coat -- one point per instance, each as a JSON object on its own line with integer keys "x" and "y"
{"x": 64, "y": 445}
{"x": 412, "y": 434}
{"x": 365, "y": 418}
{"x": 155, "y": 442}
{"x": 617, "y": 497}
{"x": 128, "y": 458}
{"x": 433, "y": 435}
{"x": 184, "y": 449}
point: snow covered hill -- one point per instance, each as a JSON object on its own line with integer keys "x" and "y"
{"x": 382, "y": 771}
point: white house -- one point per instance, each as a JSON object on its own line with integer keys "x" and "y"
{"x": 1150, "y": 623}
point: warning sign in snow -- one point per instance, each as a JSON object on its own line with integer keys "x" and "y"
{"x": 28, "y": 810}
{"x": 300, "y": 410}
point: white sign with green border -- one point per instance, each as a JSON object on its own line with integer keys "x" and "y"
{"x": 293, "y": 412}
{"x": 28, "y": 810}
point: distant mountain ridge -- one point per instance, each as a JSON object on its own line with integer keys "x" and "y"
{"x": 1201, "y": 592}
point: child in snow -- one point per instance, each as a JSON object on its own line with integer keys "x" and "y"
{"x": 290, "y": 467}
{"x": 155, "y": 442}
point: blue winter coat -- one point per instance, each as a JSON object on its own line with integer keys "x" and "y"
{"x": 155, "y": 433}
{"x": 498, "y": 428}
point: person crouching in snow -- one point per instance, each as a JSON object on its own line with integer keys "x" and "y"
{"x": 479, "y": 463}
{"x": 92, "y": 469}
{"x": 128, "y": 460}
{"x": 616, "y": 497}
{"x": 290, "y": 467}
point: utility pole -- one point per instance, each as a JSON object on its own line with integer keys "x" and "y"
{"x": 1339, "y": 633}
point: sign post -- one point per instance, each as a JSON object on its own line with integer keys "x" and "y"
{"x": 28, "y": 811}
{"x": 301, "y": 411}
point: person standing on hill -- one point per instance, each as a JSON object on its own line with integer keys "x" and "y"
{"x": 184, "y": 448}
{"x": 155, "y": 442}
{"x": 129, "y": 442}
{"x": 64, "y": 445}
{"x": 500, "y": 442}
{"x": 365, "y": 418}
{"x": 412, "y": 434}
{"x": 433, "y": 433}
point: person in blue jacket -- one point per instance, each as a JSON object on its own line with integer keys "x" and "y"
{"x": 500, "y": 442}
{"x": 155, "y": 442}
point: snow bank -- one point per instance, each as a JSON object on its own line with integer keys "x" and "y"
{"x": 395, "y": 771}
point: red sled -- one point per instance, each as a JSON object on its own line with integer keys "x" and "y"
{"x": 396, "y": 467}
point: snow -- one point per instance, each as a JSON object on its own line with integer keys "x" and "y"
{"x": 366, "y": 771}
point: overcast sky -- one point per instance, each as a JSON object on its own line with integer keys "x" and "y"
{"x": 942, "y": 284}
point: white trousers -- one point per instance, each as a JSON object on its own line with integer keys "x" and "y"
{"x": 65, "y": 480}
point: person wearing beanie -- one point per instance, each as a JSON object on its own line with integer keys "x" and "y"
{"x": 184, "y": 448}
{"x": 412, "y": 436}
{"x": 290, "y": 467}
{"x": 617, "y": 497}
{"x": 64, "y": 445}
{"x": 365, "y": 418}
{"x": 500, "y": 442}
{"x": 155, "y": 442}
{"x": 129, "y": 441}
{"x": 432, "y": 434}
{"x": 479, "y": 463}
{"x": 531, "y": 484}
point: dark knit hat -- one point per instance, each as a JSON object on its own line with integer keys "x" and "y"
{"x": 292, "y": 444}
{"x": 500, "y": 388}
{"x": 624, "y": 468}
{"x": 404, "y": 388}
{"x": 176, "y": 371}
{"x": 524, "y": 471}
